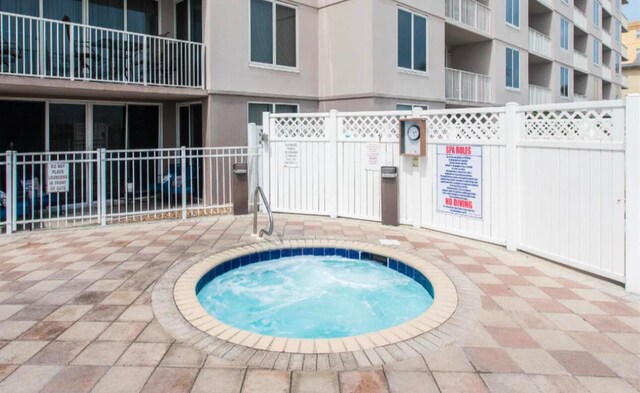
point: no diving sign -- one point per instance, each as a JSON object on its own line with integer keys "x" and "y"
{"x": 58, "y": 177}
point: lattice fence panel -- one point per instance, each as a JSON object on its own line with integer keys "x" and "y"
{"x": 312, "y": 128}
{"x": 593, "y": 125}
{"x": 465, "y": 126}
{"x": 454, "y": 126}
{"x": 370, "y": 128}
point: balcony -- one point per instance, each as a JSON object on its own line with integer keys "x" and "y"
{"x": 606, "y": 38}
{"x": 540, "y": 95}
{"x": 470, "y": 13}
{"x": 624, "y": 81}
{"x": 606, "y": 72}
{"x": 606, "y": 5}
{"x": 546, "y": 3}
{"x": 45, "y": 48}
{"x": 580, "y": 98}
{"x": 467, "y": 86}
{"x": 624, "y": 52}
{"x": 625, "y": 23}
{"x": 580, "y": 61}
{"x": 539, "y": 43}
{"x": 580, "y": 19}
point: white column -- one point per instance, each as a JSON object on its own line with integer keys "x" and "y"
{"x": 268, "y": 127}
{"x": 632, "y": 183}
{"x": 511, "y": 132}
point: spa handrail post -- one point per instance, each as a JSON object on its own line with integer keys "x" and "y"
{"x": 269, "y": 231}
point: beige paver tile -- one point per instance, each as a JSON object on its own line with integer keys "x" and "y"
{"x": 143, "y": 354}
{"x": 223, "y": 380}
{"x": 449, "y": 359}
{"x": 266, "y": 381}
{"x": 122, "y": 331}
{"x": 18, "y": 352}
{"x": 536, "y": 361}
{"x": 557, "y": 384}
{"x": 493, "y": 360}
{"x": 181, "y": 356}
{"x": 123, "y": 380}
{"x": 459, "y": 382}
{"x": 83, "y": 331}
{"x": 554, "y": 340}
{"x": 141, "y": 313}
{"x": 569, "y": 322}
{"x": 411, "y": 382}
{"x": 69, "y": 313}
{"x": 58, "y": 352}
{"x": 101, "y": 353}
{"x": 363, "y": 381}
{"x": 28, "y": 379}
{"x": 171, "y": 380}
{"x": 606, "y": 385}
{"x": 582, "y": 364}
{"x": 315, "y": 382}
{"x": 10, "y": 330}
{"x": 509, "y": 383}
{"x": 75, "y": 379}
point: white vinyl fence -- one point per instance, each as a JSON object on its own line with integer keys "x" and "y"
{"x": 60, "y": 189}
{"x": 552, "y": 176}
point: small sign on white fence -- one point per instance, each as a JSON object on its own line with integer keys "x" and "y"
{"x": 58, "y": 177}
{"x": 373, "y": 156}
{"x": 291, "y": 153}
{"x": 459, "y": 171}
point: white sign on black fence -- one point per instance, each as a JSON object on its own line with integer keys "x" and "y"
{"x": 58, "y": 177}
{"x": 459, "y": 171}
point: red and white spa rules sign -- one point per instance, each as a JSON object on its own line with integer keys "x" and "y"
{"x": 459, "y": 171}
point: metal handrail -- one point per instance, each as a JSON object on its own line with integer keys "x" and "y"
{"x": 269, "y": 231}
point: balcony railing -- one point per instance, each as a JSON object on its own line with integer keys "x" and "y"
{"x": 625, "y": 52}
{"x": 580, "y": 19}
{"x": 53, "y": 49}
{"x": 539, "y": 43}
{"x": 580, "y": 98}
{"x": 606, "y": 72}
{"x": 606, "y": 5}
{"x": 467, "y": 86}
{"x": 540, "y": 95}
{"x": 625, "y": 23}
{"x": 580, "y": 61}
{"x": 624, "y": 81}
{"x": 470, "y": 13}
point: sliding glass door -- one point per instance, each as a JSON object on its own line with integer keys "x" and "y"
{"x": 188, "y": 18}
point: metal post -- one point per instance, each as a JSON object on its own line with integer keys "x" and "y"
{"x": 72, "y": 55}
{"x": 9, "y": 183}
{"x": 14, "y": 187}
{"x": 632, "y": 185}
{"x": 183, "y": 170}
{"x": 144, "y": 59}
{"x": 102, "y": 185}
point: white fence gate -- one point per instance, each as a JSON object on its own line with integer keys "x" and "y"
{"x": 554, "y": 177}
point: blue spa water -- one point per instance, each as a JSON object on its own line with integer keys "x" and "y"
{"x": 314, "y": 297}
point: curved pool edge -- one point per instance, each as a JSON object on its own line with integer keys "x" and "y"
{"x": 444, "y": 305}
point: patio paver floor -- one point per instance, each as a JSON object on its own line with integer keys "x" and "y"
{"x": 76, "y": 316}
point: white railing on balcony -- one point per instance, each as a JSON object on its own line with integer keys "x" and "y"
{"x": 467, "y": 86}
{"x": 470, "y": 13}
{"x": 53, "y": 49}
{"x": 625, "y": 52}
{"x": 539, "y": 43}
{"x": 579, "y": 19}
{"x": 606, "y": 38}
{"x": 606, "y": 72}
{"x": 625, "y": 23}
{"x": 546, "y": 3}
{"x": 580, "y": 61}
{"x": 580, "y": 98}
{"x": 606, "y": 5}
{"x": 624, "y": 81}
{"x": 539, "y": 95}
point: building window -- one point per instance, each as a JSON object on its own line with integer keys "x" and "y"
{"x": 273, "y": 33}
{"x": 256, "y": 109}
{"x": 638, "y": 34}
{"x": 564, "y": 81}
{"x": 596, "y": 13}
{"x": 412, "y": 41}
{"x": 618, "y": 63}
{"x": 513, "y": 68}
{"x": 188, "y": 20}
{"x": 564, "y": 33}
{"x": 565, "y": 2}
{"x": 596, "y": 51}
{"x": 513, "y": 12}
{"x": 618, "y": 5}
{"x": 410, "y": 107}
{"x": 618, "y": 31}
